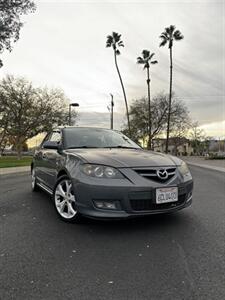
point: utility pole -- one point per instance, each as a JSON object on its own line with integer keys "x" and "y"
{"x": 110, "y": 109}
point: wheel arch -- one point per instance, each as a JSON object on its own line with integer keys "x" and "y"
{"x": 62, "y": 173}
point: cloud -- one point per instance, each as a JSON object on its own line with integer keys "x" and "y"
{"x": 63, "y": 44}
{"x": 100, "y": 119}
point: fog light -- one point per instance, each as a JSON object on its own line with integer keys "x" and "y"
{"x": 110, "y": 205}
{"x": 105, "y": 204}
{"x": 99, "y": 204}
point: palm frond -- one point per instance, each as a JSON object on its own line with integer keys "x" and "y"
{"x": 163, "y": 43}
{"x": 169, "y": 30}
{"x": 164, "y": 35}
{"x": 140, "y": 60}
{"x": 151, "y": 56}
{"x": 109, "y": 41}
{"x": 172, "y": 28}
{"x": 116, "y": 36}
{"x": 154, "y": 62}
{"x": 109, "y": 38}
{"x": 178, "y": 35}
{"x": 146, "y": 59}
{"x": 121, "y": 44}
{"x": 145, "y": 54}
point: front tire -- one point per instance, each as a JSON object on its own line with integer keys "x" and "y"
{"x": 65, "y": 200}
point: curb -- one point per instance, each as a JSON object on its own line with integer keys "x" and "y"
{"x": 8, "y": 171}
{"x": 220, "y": 169}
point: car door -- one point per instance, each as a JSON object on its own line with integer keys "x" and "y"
{"x": 49, "y": 160}
{"x": 38, "y": 160}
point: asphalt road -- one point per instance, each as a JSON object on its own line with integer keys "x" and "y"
{"x": 178, "y": 256}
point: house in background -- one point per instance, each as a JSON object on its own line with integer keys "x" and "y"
{"x": 177, "y": 146}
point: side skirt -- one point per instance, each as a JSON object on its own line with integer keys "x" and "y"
{"x": 45, "y": 188}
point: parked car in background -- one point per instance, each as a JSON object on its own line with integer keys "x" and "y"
{"x": 101, "y": 173}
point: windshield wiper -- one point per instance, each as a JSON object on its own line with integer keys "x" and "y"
{"x": 81, "y": 147}
{"x": 121, "y": 147}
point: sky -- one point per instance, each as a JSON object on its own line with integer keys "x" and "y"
{"x": 63, "y": 45}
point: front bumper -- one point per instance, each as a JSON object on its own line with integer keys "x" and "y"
{"x": 133, "y": 201}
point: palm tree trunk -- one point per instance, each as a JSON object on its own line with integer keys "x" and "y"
{"x": 170, "y": 100}
{"x": 149, "y": 113}
{"x": 124, "y": 94}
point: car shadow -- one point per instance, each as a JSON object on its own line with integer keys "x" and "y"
{"x": 158, "y": 222}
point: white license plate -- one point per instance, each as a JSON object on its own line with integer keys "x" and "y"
{"x": 165, "y": 195}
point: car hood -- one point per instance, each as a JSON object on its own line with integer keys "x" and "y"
{"x": 123, "y": 158}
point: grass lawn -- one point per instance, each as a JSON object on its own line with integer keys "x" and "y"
{"x": 12, "y": 161}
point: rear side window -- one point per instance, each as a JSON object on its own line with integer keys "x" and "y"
{"x": 55, "y": 137}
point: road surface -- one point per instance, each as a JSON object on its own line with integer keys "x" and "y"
{"x": 178, "y": 256}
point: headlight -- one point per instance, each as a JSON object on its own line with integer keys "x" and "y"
{"x": 99, "y": 171}
{"x": 184, "y": 170}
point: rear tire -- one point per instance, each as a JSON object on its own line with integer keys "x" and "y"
{"x": 65, "y": 200}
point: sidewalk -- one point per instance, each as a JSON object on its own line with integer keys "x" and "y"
{"x": 6, "y": 171}
{"x": 217, "y": 165}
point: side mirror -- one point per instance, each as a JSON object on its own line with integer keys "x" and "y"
{"x": 50, "y": 145}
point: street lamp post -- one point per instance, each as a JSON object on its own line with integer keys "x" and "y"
{"x": 71, "y": 104}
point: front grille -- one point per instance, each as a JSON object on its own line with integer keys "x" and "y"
{"x": 151, "y": 173}
{"x": 147, "y": 204}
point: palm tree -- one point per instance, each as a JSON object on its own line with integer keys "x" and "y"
{"x": 168, "y": 36}
{"x": 146, "y": 60}
{"x": 115, "y": 42}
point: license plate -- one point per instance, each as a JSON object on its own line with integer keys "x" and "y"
{"x": 165, "y": 195}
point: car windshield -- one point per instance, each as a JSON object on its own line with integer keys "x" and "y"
{"x": 96, "y": 138}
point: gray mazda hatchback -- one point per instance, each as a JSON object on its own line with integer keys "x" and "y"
{"x": 101, "y": 173}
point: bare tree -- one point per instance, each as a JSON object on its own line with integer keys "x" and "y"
{"x": 10, "y": 23}
{"x": 28, "y": 111}
{"x": 179, "y": 133}
{"x": 159, "y": 111}
{"x": 197, "y": 135}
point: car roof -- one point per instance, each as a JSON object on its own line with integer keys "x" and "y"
{"x": 81, "y": 127}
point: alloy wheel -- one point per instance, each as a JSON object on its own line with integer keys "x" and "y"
{"x": 65, "y": 199}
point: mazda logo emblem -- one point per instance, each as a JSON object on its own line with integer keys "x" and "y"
{"x": 162, "y": 174}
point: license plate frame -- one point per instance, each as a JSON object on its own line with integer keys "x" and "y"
{"x": 166, "y": 195}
